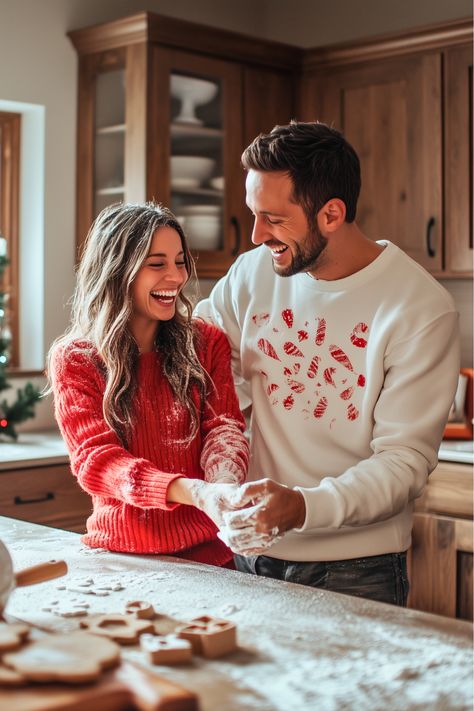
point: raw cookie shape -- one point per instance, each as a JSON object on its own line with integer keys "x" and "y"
{"x": 124, "y": 629}
{"x": 141, "y": 609}
{"x": 167, "y": 649}
{"x": 77, "y": 657}
{"x": 10, "y": 677}
{"x": 209, "y": 636}
{"x": 12, "y": 636}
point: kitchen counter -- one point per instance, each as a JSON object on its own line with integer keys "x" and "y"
{"x": 300, "y": 648}
{"x": 33, "y": 449}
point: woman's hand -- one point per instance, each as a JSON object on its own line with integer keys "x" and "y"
{"x": 214, "y": 499}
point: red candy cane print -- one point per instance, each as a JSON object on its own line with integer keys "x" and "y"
{"x": 260, "y": 319}
{"x": 320, "y": 331}
{"x": 328, "y": 373}
{"x": 287, "y": 316}
{"x": 267, "y": 348}
{"x": 352, "y": 412}
{"x": 320, "y": 408}
{"x": 271, "y": 388}
{"x": 292, "y": 350}
{"x": 356, "y": 335}
{"x": 296, "y": 386}
{"x": 347, "y": 394}
{"x": 313, "y": 367}
{"x": 339, "y": 355}
{"x": 361, "y": 381}
{"x": 303, "y": 335}
{"x": 288, "y": 402}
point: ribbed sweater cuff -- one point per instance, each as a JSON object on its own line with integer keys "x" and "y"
{"x": 323, "y": 508}
{"x": 224, "y": 472}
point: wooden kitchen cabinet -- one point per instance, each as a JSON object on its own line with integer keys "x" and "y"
{"x": 403, "y": 103}
{"x": 45, "y": 494}
{"x": 441, "y": 557}
{"x": 458, "y": 160}
{"x": 132, "y": 123}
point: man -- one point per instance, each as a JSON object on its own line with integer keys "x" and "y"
{"x": 348, "y": 353}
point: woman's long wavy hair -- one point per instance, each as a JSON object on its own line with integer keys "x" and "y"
{"x": 115, "y": 249}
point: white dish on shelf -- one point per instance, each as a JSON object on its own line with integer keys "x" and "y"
{"x": 191, "y": 171}
{"x": 200, "y": 210}
{"x": 192, "y": 92}
{"x": 179, "y": 183}
{"x": 217, "y": 183}
{"x": 203, "y": 231}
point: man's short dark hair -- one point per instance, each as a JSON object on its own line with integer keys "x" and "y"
{"x": 321, "y": 163}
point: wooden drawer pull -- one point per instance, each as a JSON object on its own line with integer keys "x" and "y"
{"x": 49, "y": 496}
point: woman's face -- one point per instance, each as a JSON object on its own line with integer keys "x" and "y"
{"x": 159, "y": 280}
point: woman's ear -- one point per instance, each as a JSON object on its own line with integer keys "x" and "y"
{"x": 332, "y": 215}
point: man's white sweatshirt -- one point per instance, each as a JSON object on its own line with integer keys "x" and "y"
{"x": 350, "y": 383}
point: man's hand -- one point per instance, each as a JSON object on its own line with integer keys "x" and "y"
{"x": 270, "y": 509}
{"x": 276, "y": 506}
{"x": 214, "y": 498}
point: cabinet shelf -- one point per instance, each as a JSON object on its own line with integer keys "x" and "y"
{"x": 191, "y": 130}
{"x": 116, "y": 128}
{"x": 119, "y": 190}
{"x": 208, "y": 192}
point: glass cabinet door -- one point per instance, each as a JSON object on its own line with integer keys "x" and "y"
{"x": 109, "y": 125}
{"x": 196, "y": 159}
{"x": 199, "y": 106}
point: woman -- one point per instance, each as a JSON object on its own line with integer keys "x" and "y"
{"x": 144, "y": 395}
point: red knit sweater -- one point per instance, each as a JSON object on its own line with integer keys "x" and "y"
{"x": 129, "y": 486}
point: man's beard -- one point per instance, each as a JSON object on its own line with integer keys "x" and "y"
{"x": 306, "y": 255}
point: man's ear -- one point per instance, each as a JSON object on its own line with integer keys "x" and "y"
{"x": 332, "y": 215}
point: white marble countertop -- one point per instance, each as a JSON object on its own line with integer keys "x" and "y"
{"x": 33, "y": 449}
{"x": 457, "y": 450}
{"x": 299, "y": 648}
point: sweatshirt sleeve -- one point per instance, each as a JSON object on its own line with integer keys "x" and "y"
{"x": 221, "y": 308}
{"x": 99, "y": 461}
{"x": 225, "y": 451}
{"x": 421, "y": 375}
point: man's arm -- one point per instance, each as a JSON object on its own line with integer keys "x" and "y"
{"x": 409, "y": 420}
{"x": 221, "y": 309}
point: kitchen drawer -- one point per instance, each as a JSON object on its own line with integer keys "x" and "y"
{"x": 48, "y": 495}
{"x": 449, "y": 491}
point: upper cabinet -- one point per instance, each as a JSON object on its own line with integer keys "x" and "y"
{"x": 404, "y": 104}
{"x": 165, "y": 109}
{"x": 458, "y": 159}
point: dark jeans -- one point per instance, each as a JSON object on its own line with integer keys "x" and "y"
{"x": 380, "y": 577}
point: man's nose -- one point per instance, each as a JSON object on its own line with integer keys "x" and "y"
{"x": 259, "y": 232}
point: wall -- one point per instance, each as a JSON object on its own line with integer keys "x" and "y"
{"x": 38, "y": 67}
{"x": 310, "y": 23}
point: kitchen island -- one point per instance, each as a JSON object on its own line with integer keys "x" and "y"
{"x": 299, "y": 649}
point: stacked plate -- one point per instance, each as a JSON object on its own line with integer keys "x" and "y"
{"x": 191, "y": 171}
{"x": 202, "y": 224}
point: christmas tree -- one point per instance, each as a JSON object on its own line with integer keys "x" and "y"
{"x": 22, "y": 408}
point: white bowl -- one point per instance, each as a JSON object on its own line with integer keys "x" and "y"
{"x": 200, "y": 209}
{"x": 203, "y": 231}
{"x": 192, "y": 92}
{"x": 191, "y": 171}
{"x": 217, "y": 183}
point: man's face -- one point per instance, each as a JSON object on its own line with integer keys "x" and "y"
{"x": 281, "y": 225}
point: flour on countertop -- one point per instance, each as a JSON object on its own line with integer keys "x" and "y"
{"x": 333, "y": 654}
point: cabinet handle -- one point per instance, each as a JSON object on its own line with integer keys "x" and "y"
{"x": 235, "y": 224}
{"x": 18, "y": 500}
{"x": 429, "y": 231}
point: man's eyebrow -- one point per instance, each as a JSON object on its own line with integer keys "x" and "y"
{"x": 268, "y": 212}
